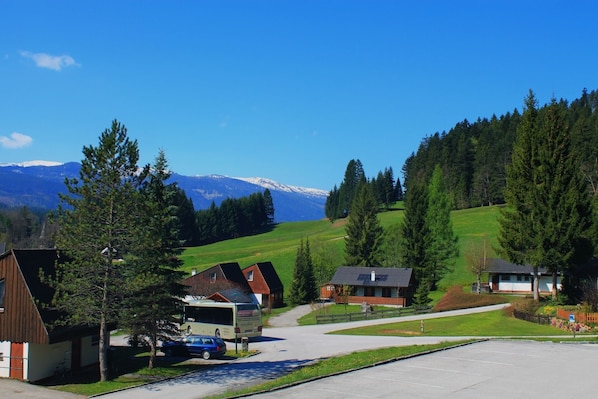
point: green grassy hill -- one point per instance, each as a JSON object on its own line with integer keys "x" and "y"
{"x": 279, "y": 246}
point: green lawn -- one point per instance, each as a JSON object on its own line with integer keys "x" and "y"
{"x": 279, "y": 246}
{"x": 487, "y": 324}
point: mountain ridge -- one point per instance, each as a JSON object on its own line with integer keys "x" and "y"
{"x": 37, "y": 184}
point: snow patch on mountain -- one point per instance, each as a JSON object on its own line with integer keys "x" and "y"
{"x": 33, "y": 163}
{"x": 273, "y": 185}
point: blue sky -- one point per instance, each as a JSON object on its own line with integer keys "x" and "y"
{"x": 286, "y": 90}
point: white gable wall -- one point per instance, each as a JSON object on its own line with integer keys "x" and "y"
{"x": 511, "y": 283}
{"x": 4, "y": 359}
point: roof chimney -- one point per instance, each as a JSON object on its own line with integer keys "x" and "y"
{"x": 373, "y": 275}
{"x": 193, "y": 272}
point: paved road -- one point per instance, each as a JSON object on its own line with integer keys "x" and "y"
{"x": 285, "y": 348}
{"x": 281, "y": 350}
{"x": 491, "y": 369}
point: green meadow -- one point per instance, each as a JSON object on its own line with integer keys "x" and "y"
{"x": 279, "y": 245}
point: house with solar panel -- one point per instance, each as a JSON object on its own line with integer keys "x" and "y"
{"x": 373, "y": 285}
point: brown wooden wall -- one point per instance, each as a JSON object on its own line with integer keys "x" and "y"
{"x": 258, "y": 285}
{"x": 20, "y": 321}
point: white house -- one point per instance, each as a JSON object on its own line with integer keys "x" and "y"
{"x": 508, "y": 277}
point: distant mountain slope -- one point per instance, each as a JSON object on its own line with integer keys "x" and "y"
{"x": 37, "y": 185}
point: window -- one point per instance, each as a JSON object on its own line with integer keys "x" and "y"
{"x": 213, "y": 277}
{"x": 386, "y": 292}
{"x": 250, "y": 275}
{"x": 505, "y": 277}
{"x": 2, "y": 289}
{"x": 369, "y": 291}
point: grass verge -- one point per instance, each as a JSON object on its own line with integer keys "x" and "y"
{"x": 487, "y": 324}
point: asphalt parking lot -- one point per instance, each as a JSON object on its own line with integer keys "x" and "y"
{"x": 490, "y": 369}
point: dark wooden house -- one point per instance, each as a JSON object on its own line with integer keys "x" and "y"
{"x": 221, "y": 277}
{"x": 32, "y": 347}
{"x": 265, "y": 284}
{"x": 373, "y": 285}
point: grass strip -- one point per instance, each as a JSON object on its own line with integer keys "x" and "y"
{"x": 486, "y": 324}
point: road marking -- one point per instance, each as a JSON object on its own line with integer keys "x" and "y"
{"x": 443, "y": 370}
{"x": 394, "y": 380}
{"x": 473, "y": 360}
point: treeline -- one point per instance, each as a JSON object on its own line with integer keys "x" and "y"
{"x": 236, "y": 217}
{"x": 24, "y": 227}
{"x": 474, "y": 156}
{"x": 385, "y": 188}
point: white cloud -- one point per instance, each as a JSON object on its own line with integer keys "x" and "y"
{"x": 54, "y": 62}
{"x": 16, "y": 140}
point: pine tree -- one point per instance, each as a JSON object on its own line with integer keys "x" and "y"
{"x": 549, "y": 212}
{"x": 269, "y": 207}
{"x": 303, "y": 286}
{"x": 415, "y": 236}
{"x": 442, "y": 249}
{"x": 98, "y": 219}
{"x": 155, "y": 299}
{"x": 364, "y": 232}
{"x": 516, "y": 219}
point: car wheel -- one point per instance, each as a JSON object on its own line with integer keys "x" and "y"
{"x": 205, "y": 355}
{"x": 217, "y": 333}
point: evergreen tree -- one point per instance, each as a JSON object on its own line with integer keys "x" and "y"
{"x": 303, "y": 286}
{"x": 549, "y": 212}
{"x": 415, "y": 236}
{"x": 364, "y": 232}
{"x": 422, "y": 293}
{"x": 442, "y": 249}
{"x": 268, "y": 207}
{"x": 517, "y": 218}
{"x": 98, "y": 220}
{"x": 152, "y": 306}
{"x": 391, "y": 248}
{"x": 332, "y": 205}
{"x": 389, "y": 188}
{"x": 562, "y": 198}
{"x": 343, "y": 198}
{"x": 188, "y": 230}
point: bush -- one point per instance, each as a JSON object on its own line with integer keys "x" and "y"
{"x": 455, "y": 299}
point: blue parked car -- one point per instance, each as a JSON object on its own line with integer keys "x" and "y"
{"x": 202, "y": 345}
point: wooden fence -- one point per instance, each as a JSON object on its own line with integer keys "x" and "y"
{"x": 580, "y": 317}
{"x": 378, "y": 314}
{"x": 534, "y": 318}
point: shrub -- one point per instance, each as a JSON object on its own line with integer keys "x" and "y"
{"x": 455, "y": 298}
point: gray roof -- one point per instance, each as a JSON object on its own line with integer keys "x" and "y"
{"x": 382, "y": 276}
{"x": 501, "y": 266}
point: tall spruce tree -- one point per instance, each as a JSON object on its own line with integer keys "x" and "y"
{"x": 303, "y": 286}
{"x": 364, "y": 238}
{"x": 415, "y": 238}
{"x": 548, "y": 211}
{"x": 155, "y": 299}
{"x": 98, "y": 221}
{"x": 517, "y": 218}
{"x": 443, "y": 248}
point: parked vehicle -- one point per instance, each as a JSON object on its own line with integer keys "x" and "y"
{"x": 202, "y": 345}
{"x": 226, "y": 320}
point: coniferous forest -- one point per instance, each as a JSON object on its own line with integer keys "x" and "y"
{"x": 474, "y": 155}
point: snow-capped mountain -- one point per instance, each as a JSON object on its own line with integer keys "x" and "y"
{"x": 36, "y": 184}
